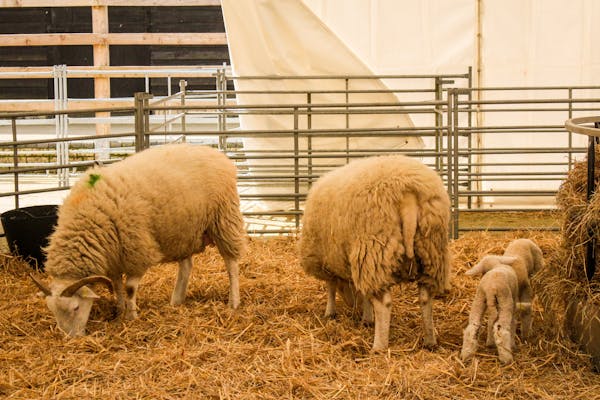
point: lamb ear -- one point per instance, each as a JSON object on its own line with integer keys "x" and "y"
{"x": 74, "y": 287}
{"x": 45, "y": 289}
{"x": 508, "y": 260}
{"x": 478, "y": 269}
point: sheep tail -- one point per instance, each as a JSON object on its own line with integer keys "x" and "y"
{"x": 408, "y": 213}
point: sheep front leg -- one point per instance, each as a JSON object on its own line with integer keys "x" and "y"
{"x": 131, "y": 286}
{"x": 367, "y": 311}
{"x": 119, "y": 291}
{"x": 426, "y": 303}
{"x": 382, "y": 308}
{"x": 330, "y": 308}
{"x": 492, "y": 317}
{"x": 183, "y": 277}
{"x": 525, "y": 311}
{"x": 233, "y": 270}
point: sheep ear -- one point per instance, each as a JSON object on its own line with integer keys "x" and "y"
{"x": 508, "y": 260}
{"x": 88, "y": 293}
{"x": 481, "y": 267}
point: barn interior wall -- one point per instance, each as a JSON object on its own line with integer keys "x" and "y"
{"x": 121, "y": 20}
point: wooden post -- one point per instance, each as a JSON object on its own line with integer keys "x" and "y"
{"x": 101, "y": 84}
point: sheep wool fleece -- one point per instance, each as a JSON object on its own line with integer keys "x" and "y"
{"x": 353, "y": 225}
{"x": 159, "y": 205}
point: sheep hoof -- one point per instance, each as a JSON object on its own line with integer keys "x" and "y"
{"x": 378, "y": 349}
{"x": 130, "y": 315}
{"x": 330, "y": 315}
{"x": 233, "y": 304}
{"x": 176, "y": 301}
{"x": 429, "y": 342}
{"x": 506, "y": 359}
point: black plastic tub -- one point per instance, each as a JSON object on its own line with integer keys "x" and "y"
{"x": 27, "y": 231}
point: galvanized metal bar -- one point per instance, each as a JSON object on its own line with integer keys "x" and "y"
{"x": 455, "y": 165}
{"x": 296, "y": 171}
{"x": 15, "y": 160}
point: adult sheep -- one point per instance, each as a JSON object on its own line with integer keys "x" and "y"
{"x": 373, "y": 223}
{"x": 160, "y": 205}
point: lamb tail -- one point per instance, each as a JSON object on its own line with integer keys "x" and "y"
{"x": 408, "y": 213}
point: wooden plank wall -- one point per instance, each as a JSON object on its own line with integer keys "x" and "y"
{"x": 108, "y": 32}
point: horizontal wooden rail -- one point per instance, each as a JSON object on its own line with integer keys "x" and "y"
{"x": 111, "y": 72}
{"x": 90, "y": 3}
{"x": 73, "y": 39}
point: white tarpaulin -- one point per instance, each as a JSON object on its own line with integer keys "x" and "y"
{"x": 509, "y": 43}
{"x": 284, "y": 38}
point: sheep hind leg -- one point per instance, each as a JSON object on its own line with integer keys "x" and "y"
{"x": 503, "y": 331}
{"x": 426, "y": 303}
{"x": 330, "y": 310}
{"x": 478, "y": 307}
{"x": 233, "y": 270}
{"x": 492, "y": 317}
{"x": 183, "y": 277}
{"x": 382, "y": 308}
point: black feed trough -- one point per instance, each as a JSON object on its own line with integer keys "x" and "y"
{"x": 27, "y": 230}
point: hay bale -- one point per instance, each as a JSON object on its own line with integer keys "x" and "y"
{"x": 580, "y": 220}
{"x": 570, "y": 301}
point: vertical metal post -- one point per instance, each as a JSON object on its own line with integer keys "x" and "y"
{"x": 15, "y": 160}
{"x": 439, "y": 122}
{"x": 61, "y": 120}
{"x": 296, "y": 171}
{"x": 454, "y": 165}
{"x": 142, "y": 120}
{"x": 570, "y": 137}
{"x": 470, "y": 139}
{"x": 590, "y": 248}
{"x": 449, "y": 182}
{"x": 347, "y": 80}
{"x": 182, "y": 86}
{"x": 220, "y": 111}
{"x": 309, "y": 160}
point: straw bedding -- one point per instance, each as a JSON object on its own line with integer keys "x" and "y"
{"x": 277, "y": 345}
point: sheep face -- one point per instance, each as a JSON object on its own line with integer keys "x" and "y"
{"x": 71, "y": 302}
{"x": 72, "y": 312}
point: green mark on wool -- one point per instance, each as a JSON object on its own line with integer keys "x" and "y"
{"x": 93, "y": 179}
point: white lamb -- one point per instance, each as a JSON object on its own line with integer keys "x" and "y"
{"x": 374, "y": 223}
{"x": 505, "y": 291}
{"x": 160, "y": 205}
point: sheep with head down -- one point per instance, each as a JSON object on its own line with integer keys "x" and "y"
{"x": 374, "y": 223}
{"x": 163, "y": 204}
{"x": 505, "y": 292}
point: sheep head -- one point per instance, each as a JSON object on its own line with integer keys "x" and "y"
{"x": 71, "y": 302}
{"x": 489, "y": 262}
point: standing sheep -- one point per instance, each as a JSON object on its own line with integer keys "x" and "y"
{"x": 371, "y": 224}
{"x": 504, "y": 290}
{"x": 160, "y": 205}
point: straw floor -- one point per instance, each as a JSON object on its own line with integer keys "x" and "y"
{"x": 277, "y": 345}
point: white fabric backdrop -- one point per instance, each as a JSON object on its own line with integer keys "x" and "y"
{"x": 523, "y": 43}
